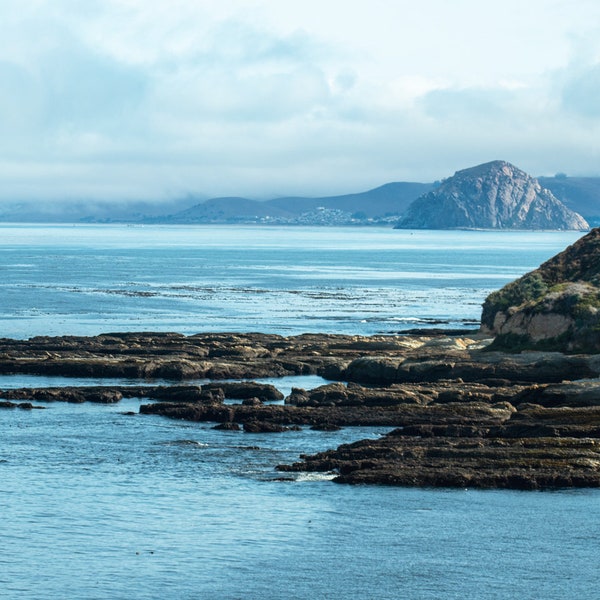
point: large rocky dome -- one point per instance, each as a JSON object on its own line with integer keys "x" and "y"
{"x": 494, "y": 195}
{"x": 555, "y": 307}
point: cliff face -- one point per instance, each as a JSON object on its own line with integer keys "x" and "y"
{"x": 494, "y": 195}
{"x": 555, "y": 307}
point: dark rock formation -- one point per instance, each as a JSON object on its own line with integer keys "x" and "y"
{"x": 75, "y": 395}
{"x": 451, "y": 459}
{"x": 475, "y": 366}
{"x": 227, "y": 426}
{"x": 553, "y": 443}
{"x": 246, "y": 390}
{"x": 255, "y": 426}
{"x": 461, "y": 415}
{"x": 374, "y": 360}
{"x": 555, "y": 307}
{"x": 494, "y": 195}
{"x": 22, "y": 405}
{"x": 177, "y": 357}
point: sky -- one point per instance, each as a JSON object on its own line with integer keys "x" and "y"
{"x": 153, "y": 100}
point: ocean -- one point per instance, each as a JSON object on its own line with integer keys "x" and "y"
{"x": 100, "y": 504}
{"x": 89, "y": 279}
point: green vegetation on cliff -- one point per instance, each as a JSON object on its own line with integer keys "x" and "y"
{"x": 555, "y": 307}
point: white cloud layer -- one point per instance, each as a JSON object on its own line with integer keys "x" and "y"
{"x": 127, "y": 99}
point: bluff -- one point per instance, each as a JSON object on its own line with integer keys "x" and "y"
{"x": 554, "y": 307}
{"x": 494, "y": 195}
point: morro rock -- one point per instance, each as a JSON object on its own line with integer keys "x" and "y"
{"x": 555, "y": 307}
{"x": 494, "y": 195}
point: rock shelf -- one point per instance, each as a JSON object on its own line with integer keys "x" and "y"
{"x": 459, "y": 414}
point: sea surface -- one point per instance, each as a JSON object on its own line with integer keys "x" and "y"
{"x": 98, "y": 503}
{"x": 57, "y": 280}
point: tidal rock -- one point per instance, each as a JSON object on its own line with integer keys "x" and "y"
{"x": 267, "y": 427}
{"x": 227, "y": 426}
{"x": 182, "y": 393}
{"x": 203, "y": 356}
{"x": 465, "y": 462}
{"x": 244, "y": 390}
{"x": 353, "y": 394}
{"x": 252, "y": 402}
{"x": 22, "y": 405}
{"x": 576, "y": 393}
{"x": 476, "y": 366}
{"x": 459, "y": 414}
{"x": 76, "y": 395}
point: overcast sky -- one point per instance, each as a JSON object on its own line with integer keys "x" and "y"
{"x": 153, "y": 99}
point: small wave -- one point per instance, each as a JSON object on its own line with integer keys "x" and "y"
{"x": 412, "y": 320}
{"x": 305, "y": 476}
{"x": 187, "y": 443}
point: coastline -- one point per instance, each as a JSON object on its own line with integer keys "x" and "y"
{"x": 460, "y": 416}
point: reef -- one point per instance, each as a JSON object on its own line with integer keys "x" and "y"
{"x": 459, "y": 413}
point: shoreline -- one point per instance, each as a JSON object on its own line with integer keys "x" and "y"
{"x": 460, "y": 416}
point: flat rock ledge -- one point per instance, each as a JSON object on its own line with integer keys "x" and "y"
{"x": 459, "y": 415}
{"x": 535, "y": 449}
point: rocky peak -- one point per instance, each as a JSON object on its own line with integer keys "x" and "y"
{"x": 555, "y": 307}
{"x": 494, "y": 195}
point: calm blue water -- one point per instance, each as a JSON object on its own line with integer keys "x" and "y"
{"x": 92, "y": 279}
{"x": 98, "y": 504}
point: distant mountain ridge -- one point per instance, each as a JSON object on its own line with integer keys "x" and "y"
{"x": 383, "y": 205}
{"x": 581, "y": 194}
{"x": 217, "y": 210}
{"x": 387, "y": 201}
{"x": 494, "y": 195}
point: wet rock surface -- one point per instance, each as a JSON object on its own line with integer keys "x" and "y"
{"x": 458, "y": 415}
{"x": 457, "y": 461}
{"x": 177, "y": 357}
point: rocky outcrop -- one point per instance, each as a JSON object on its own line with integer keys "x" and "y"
{"x": 22, "y": 405}
{"x": 365, "y": 360}
{"x": 479, "y": 436}
{"x": 494, "y": 195}
{"x": 456, "y": 457}
{"x": 177, "y": 357}
{"x": 555, "y": 307}
{"x": 247, "y": 392}
{"x": 74, "y": 395}
{"x": 460, "y": 415}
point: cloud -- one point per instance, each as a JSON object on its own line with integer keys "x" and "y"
{"x": 20, "y": 105}
{"x": 240, "y": 74}
{"x": 87, "y": 90}
{"x": 57, "y": 86}
{"x": 581, "y": 93}
{"x": 129, "y": 99}
{"x": 471, "y": 104}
